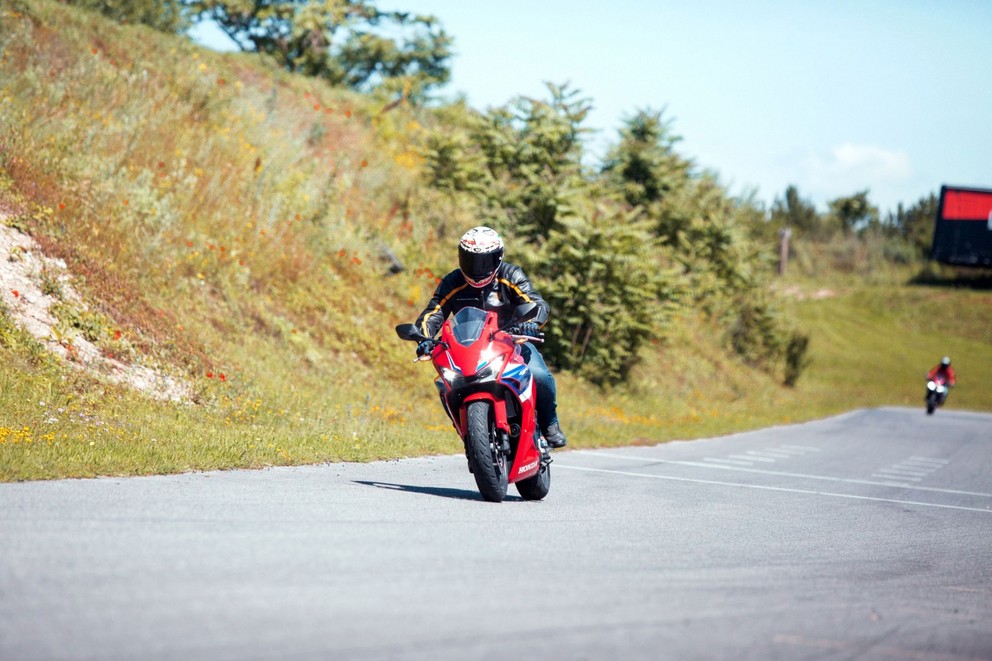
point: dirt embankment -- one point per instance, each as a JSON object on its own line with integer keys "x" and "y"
{"x": 33, "y": 286}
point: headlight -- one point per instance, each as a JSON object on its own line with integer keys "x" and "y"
{"x": 448, "y": 375}
{"x": 495, "y": 365}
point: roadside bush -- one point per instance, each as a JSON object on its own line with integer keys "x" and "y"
{"x": 796, "y": 358}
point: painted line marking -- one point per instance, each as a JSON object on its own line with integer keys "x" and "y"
{"x": 920, "y": 466}
{"x": 902, "y": 477}
{"x": 761, "y": 471}
{"x": 762, "y": 487}
{"x": 942, "y": 462}
{"x": 748, "y": 457}
{"x": 791, "y": 453}
{"x": 729, "y": 461}
{"x": 901, "y": 471}
{"x": 804, "y": 448}
{"x": 769, "y": 453}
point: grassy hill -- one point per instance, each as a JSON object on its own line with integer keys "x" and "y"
{"x": 230, "y": 228}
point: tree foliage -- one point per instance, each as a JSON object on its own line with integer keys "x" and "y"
{"x": 346, "y": 42}
{"x": 796, "y": 213}
{"x": 612, "y": 249}
{"x": 595, "y": 260}
{"x": 644, "y": 166}
{"x": 521, "y": 162}
{"x": 601, "y": 275}
{"x": 916, "y": 224}
{"x": 854, "y": 212}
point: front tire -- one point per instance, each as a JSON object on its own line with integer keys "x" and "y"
{"x": 536, "y": 486}
{"x": 484, "y": 453}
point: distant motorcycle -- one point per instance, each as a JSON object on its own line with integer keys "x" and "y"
{"x": 487, "y": 391}
{"x": 936, "y": 393}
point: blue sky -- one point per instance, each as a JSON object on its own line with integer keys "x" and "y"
{"x": 833, "y": 96}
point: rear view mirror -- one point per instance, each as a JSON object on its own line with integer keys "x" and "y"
{"x": 525, "y": 312}
{"x": 410, "y": 332}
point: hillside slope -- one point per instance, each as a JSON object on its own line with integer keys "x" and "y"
{"x": 237, "y": 230}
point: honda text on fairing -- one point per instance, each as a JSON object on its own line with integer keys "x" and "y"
{"x": 486, "y": 389}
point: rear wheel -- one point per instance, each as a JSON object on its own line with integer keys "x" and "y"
{"x": 536, "y": 486}
{"x": 484, "y": 454}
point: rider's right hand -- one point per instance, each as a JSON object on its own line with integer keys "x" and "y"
{"x": 425, "y": 348}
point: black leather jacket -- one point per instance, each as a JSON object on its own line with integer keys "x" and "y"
{"x": 509, "y": 289}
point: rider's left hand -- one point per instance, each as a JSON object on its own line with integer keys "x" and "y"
{"x": 528, "y": 328}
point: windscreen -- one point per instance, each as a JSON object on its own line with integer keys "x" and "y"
{"x": 467, "y": 325}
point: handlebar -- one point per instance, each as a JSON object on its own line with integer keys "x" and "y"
{"x": 523, "y": 339}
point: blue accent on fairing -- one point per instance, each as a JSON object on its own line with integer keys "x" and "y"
{"x": 517, "y": 378}
{"x": 454, "y": 367}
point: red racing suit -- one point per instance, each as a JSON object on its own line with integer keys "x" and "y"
{"x": 941, "y": 371}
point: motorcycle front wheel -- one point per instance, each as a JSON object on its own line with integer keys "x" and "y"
{"x": 483, "y": 449}
{"x": 537, "y": 486}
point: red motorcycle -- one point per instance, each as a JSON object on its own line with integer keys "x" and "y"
{"x": 487, "y": 391}
{"x": 936, "y": 392}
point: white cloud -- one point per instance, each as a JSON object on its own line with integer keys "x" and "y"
{"x": 868, "y": 161}
{"x": 849, "y": 168}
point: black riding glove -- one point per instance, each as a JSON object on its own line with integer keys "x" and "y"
{"x": 425, "y": 348}
{"x": 528, "y": 328}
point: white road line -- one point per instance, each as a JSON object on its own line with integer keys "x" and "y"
{"x": 791, "y": 453}
{"x": 901, "y": 477}
{"x": 889, "y": 481}
{"x": 902, "y": 471}
{"x": 908, "y": 465}
{"x": 729, "y": 461}
{"x": 804, "y": 448}
{"x": 769, "y": 453}
{"x": 762, "y": 487}
{"x": 760, "y": 471}
{"x": 920, "y": 466}
{"x": 942, "y": 462}
{"x": 744, "y": 457}
{"x": 913, "y": 468}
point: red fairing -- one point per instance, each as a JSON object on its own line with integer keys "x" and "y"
{"x": 507, "y": 378}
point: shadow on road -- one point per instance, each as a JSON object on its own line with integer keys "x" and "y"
{"x": 442, "y": 492}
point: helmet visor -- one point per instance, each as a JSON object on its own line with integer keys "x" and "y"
{"x": 479, "y": 268}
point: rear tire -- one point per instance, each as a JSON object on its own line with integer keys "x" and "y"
{"x": 483, "y": 448}
{"x": 536, "y": 487}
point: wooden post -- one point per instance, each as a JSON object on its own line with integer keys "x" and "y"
{"x": 783, "y": 258}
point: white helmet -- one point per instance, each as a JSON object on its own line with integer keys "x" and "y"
{"x": 480, "y": 252}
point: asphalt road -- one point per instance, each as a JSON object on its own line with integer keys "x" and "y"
{"x": 864, "y": 536}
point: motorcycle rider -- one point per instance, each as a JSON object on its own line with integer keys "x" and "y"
{"x": 483, "y": 280}
{"x": 943, "y": 371}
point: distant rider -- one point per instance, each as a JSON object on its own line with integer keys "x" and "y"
{"x": 943, "y": 372}
{"x": 483, "y": 280}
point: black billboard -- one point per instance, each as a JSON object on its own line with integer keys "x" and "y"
{"x": 963, "y": 233}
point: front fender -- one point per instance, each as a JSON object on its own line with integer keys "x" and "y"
{"x": 498, "y": 404}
